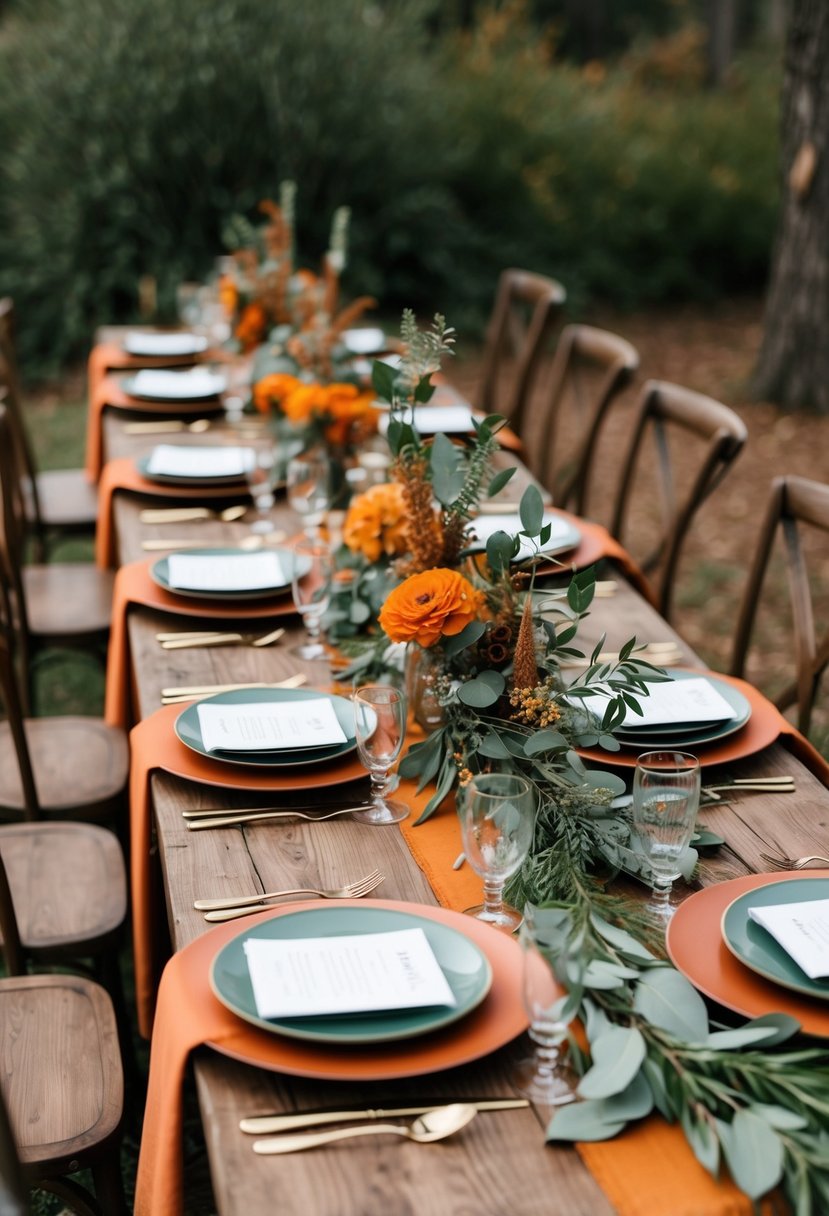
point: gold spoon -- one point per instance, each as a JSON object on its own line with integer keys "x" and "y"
{"x": 248, "y": 543}
{"x": 434, "y": 1125}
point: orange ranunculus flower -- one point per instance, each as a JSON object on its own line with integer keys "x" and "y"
{"x": 376, "y": 522}
{"x": 272, "y": 390}
{"x": 303, "y": 403}
{"x": 252, "y": 326}
{"x": 352, "y": 415}
{"x": 428, "y": 605}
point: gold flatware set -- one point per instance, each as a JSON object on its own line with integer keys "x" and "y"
{"x": 186, "y": 641}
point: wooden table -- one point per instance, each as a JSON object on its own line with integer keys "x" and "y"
{"x": 500, "y": 1164}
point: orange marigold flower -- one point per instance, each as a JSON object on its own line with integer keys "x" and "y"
{"x": 272, "y": 390}
{"x": 351, "y": 412}
{"x": 252, "y": 326}
{"x": 428, "y": 605}
{"x": 376, "y": 522}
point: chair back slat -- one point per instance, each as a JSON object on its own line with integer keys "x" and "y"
{"x": 24, "y": 452}
{"x": 504, "y": 389}
{"x": 794, "y": 502}
{"x": 590, "y": 369}
{"x": 665, "y": 407}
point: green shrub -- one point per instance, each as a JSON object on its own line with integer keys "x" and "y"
{"x": 132, "y": 129}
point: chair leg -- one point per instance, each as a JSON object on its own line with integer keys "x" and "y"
{"x": 109, "y": 1186}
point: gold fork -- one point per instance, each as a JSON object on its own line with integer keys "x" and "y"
{"x": 227, "y": 909}
{"x": 188, "y": 641}
{"x": 792, "y": 863}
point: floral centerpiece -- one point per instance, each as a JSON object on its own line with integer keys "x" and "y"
{"x": 291, "y": 315}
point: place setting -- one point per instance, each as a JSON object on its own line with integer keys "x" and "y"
{"x": 759, "y": 944}
{"x": 718, "y": 717}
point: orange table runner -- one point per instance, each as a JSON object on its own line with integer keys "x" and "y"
{"x": 134, "y": 585}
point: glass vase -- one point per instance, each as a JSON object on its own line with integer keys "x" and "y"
{"x": 423, "y": 668}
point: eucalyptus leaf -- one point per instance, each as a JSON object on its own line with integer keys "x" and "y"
{"x": 743, "y": 1036}
{"x": 621, "y": 939}
{"x": 383, "y": 379}
{"x": 617, "y": 1056}
{"x": 500, "y": 549}
{"x": 493, "y": 747}
{"x": 531, "y": 510}
{"x": 634, "y": 1102}
{"x": 656, "y": 1079}
{"x": 446, "y": 463}
{"x": 499, "y": 481}
{"x": 779, "y": 1118}
{"x": 545, "y": 741}
{"x": 669, "y": 1001}
{"x": 785, "y": 1025}
{"x": 467, "y": 637}
{"x": 753, "y": 1152}
{"x": 703, "y": 1140}
{"x": 581, "y": 1121}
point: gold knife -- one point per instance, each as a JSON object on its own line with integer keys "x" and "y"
{"x": 273, "y": 1124}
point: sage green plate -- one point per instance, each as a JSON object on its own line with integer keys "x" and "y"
{"x": 466, "y": 968}
{"x": 755, "y": 947}
{"x": 160, "y": 574}
{"x": 188, "y": 731}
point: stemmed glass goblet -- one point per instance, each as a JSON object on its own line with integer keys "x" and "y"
{"x": 497, "y": 823}
{"x": 380, "y": 722}
{"x": 308, "y": 481}
{"x": 543, "y": 1077}
{"x": 666, "y": 788}
{"x": 311, "y": 587}
{"x": 260, "y": 474}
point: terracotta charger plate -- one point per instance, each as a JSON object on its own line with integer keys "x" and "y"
{"x": 761, "y": 730}
{"x": 696, "y": 948}
{"x": 499, "y": 1019}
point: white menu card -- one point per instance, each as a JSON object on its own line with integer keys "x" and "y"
{"x": 693, "y": 702}
{"x": 485, "y": 526}
{"x": 226, "y": 572}
{"x": 178, "y": 460}
{"x": 430, "y": 419}
{"x": 270, "y": 726}
{"x": 802, "y": 930}
{"x": 365, "y": 973}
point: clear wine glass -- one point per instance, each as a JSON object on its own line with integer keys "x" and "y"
{"x": 497, "y": 822}
{"x": 236, "y": 393}
{"x": 311, "y": 586}
{"x": 543, "y": 1077}
{"x": 380, "y": 721}
{"x": 189, "y": 305}
{"x": 666, "y": 789}
{"x": 260, "y": 474}
{"x": 309, "y": 488}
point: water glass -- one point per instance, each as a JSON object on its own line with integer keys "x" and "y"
{"x": 236, "y": 393}
{"x": 260, "y": 475}
{"x": 497, "y": 824}
{"x": 380, "y": 722}
{"x": 311, "y": 587}
{"x": 544, "y": 1078}
{"x": 666, "y": 789}
{"x": 309, "y": 488}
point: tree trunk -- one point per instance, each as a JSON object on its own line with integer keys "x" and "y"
{"x": 793, "y": 366}
{"x": 722, "y": 38}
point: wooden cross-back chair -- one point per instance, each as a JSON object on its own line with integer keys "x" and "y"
{"x": 591, "y": 368}
{"x": 58, "y": 502}
{"x": 61, "y": 1094}
{"x": 722, "y": 433}
{"x": 794, "y": 503}
{"x": 525, "y": 310}
{"x": 58, "y": 604}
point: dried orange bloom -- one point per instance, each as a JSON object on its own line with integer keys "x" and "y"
{"x": 428, "y": 605}
{"x": 272, "y": 390}
{"x": 376, "y": 522}
{"x": 352, "y": 413}
{"x": 252, "y": 326}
